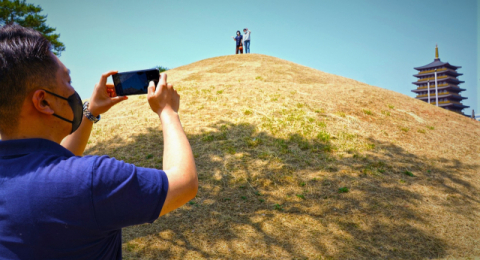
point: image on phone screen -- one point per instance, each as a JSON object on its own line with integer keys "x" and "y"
{"x": 134, "y": 82}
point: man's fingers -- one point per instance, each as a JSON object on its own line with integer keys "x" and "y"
{"x": 162, "y": 82}
{"x": 103, "y": 79}
{"x": 111, "y": 92}
{"x": 163, "y": 79}
{"x": 151, "y": 88}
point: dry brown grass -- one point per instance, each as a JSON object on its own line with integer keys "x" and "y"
{"x": 275, "y": 141}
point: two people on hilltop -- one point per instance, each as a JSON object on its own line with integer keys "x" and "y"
{"x": 242, "y": 40}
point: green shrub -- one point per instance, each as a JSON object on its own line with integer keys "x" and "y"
{"x": 367, "y": 112}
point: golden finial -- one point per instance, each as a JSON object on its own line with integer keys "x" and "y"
{"x": 436, "y": 51}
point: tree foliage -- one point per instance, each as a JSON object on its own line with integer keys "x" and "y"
{"x": 162, "y": 69}
{"x": 28, "y": 15}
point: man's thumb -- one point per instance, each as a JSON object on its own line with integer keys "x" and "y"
{"x": 119, "y": 99}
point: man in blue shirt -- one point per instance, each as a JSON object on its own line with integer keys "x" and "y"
{"x": 54, "y": 203}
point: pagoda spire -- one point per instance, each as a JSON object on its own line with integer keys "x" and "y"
{"x": 436, "y": 52}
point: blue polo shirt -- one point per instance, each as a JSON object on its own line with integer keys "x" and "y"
{"x": 54, "y": 205}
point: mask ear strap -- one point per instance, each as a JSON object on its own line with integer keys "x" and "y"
{"x": 55, "y": 94}
{"x": 71, "y": 122}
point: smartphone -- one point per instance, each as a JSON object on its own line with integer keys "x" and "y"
{"x": 134, "y": 82}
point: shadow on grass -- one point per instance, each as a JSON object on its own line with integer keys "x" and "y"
{"x": 261, "y": 196}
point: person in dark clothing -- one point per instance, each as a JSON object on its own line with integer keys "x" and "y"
{"x": 239, "y": 42}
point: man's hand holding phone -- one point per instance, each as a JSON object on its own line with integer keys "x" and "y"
{"x": 164, "y": 99}
{"x": 103, "y": 96}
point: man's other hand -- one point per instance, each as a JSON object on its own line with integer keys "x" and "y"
{"x": 104, "y": 97}
{"x": 165, "y": 98}
{"x": 178, "y": 160}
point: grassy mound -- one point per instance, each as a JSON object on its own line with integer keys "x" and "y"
{"x": 296, "y": 163}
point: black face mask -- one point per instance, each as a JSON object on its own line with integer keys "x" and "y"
{"x": 75, "y": 103}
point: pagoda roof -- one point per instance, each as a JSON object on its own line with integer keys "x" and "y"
{"x": 437, "y": 63}
{"x": 452, "y": 105}
{"x": 457, "y": 81}
{"x": 449, "y": 72}
{"x": 442, "y": 95}
{"x": 454, "y": 80}
{"x": 432, "y": 87}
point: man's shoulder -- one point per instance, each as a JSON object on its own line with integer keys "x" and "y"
{"x": 41, "y": 156}
{"x": 108, "y": 167}
{"x": 58, "y": 165}
{"x": 71, "y": 161}
{"x": 98, "y": 163}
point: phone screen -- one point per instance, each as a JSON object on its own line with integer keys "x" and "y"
{"x": 134, "y": 82}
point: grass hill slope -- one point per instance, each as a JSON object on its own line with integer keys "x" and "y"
{"x": 295, "y": 163}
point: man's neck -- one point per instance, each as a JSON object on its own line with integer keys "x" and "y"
{"x": 17, "y": 136}
{"x": 32, "y": 128}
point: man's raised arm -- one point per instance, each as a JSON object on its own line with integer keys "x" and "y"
{"x": 178, "y": 161}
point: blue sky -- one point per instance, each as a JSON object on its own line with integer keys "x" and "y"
{"x": 373, "y": 41}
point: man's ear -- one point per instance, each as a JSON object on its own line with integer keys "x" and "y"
{"x": 40, "y": 102}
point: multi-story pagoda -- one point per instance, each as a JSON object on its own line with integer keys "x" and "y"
{"x": 438, "y": 84}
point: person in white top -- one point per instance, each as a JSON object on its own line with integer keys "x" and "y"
{"x": 246, "y": 40}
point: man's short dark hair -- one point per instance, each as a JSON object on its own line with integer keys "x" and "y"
{"x": 26, "y": 63}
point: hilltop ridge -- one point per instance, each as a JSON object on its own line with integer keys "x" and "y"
{"x": 336, "y": 95}
{"x": 295, "y": 163}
